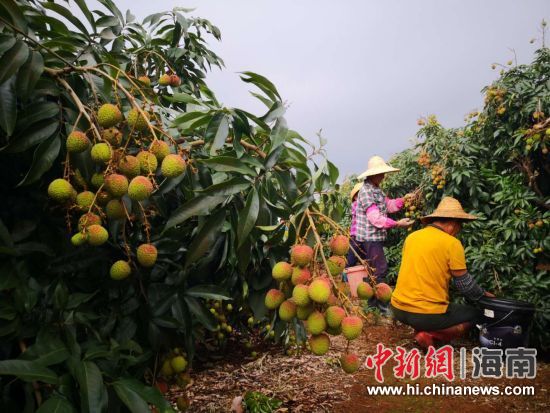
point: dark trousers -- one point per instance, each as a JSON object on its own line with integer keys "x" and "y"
{"x": 373, "y": 253}
{"x": 456, "y": 314}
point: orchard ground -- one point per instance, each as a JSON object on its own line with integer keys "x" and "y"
{"x": 309, "y": 383}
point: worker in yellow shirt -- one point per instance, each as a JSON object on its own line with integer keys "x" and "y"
{"x": 432, "y": 257}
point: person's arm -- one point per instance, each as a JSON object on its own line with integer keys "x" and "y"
{"x": 379, "y": 220}
{"x": 394, "y": 205}
{"x": 463, "y": 280}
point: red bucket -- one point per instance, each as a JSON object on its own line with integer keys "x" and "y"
{"x": 355, "y": 277}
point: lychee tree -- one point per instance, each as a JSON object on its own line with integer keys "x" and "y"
{"x": 498, "y": 166}
{"x": 132, "y": 197}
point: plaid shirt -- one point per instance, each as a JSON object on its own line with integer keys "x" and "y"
{"x": 369, "y": 195}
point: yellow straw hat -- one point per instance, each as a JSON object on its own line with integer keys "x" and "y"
{"x": 448, "y": 208}
{"x": 355, "y": 189}
{"x": 377, "y": 166}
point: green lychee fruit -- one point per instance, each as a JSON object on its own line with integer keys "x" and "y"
{"x": 145, "y": 81}
{"x": 172, "y": 166}
{"x": 160, "y": 149}
{"x": 164, "y": 80}
{"x": 78, "y": 239}
{"x": 319, "y": 291}
{"x": 303, "y": 312}
{"x": 300, "y": 276}
{"x": 84, "y": 200}
{"x": 175, "y": 81}
{"x": 113, "y": 136}
{"x": 147, "y": 255}
{"x": 101, "y": 153}
{"x": 336, "y": 264}
{"x": 349, "y": 362}
{"x": 97, "y": 179}
{"x": 116, "y": 184}
{"x": 281, "y": 271}
{"x": 352, "y": 327}
{"x": 60, "y": 190}
{"x": 316, "y": 323}
{"x": 364, "y": 291}
{"x": 115, "y": 209}
{"x": 120, "y": 270}
{"x": 136, "y": 121}
{"x": 77, "y": 142}
{"x": 129, "y": 166}
{"x": 301, "y": 255}
{"x": 274, "y": 298}
{"x": 319, "y": 344}
{"x": 178, "y": 364}
{"x": 97, "y": 235}
{"x": 109, "y": 115}
{"x": 383, "y": 292}
{"x": 166, "y": 369}
{"x": 339, "y": 245}
{"x": 140, "y": 188}
{"x": 334, "y": 316}
{"x": 287, "y": 310}
{"x": 301, "y": 295}
{"x": 87, "y": 220}
{"x": 148, "y": 162}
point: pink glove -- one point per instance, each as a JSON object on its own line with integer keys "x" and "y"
{"x": 376, "y": 218}
{"x": 394, "y": 205}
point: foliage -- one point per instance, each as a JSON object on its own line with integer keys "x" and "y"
{"x": 498, "y": 167}
{"x": 257, "y": 402}
{"x": 76, "y": 339}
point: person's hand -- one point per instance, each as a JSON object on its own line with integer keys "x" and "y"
{"x": 405, "y": 222}
{"x": 488, "y": 294}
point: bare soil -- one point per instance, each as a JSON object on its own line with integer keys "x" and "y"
{"x": 308, "y": 383}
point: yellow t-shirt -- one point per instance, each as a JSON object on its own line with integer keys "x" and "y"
{"x": 429, "y": 255}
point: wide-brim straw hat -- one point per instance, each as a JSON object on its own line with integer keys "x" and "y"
{"x": 448, "y": 207}
{"x": 377, "y": 166}
{"x": 355, "y": 189}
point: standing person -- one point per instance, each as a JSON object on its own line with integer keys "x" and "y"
{"x": 352, "y": 258}
{"x": 432, "y": 257}
{"x": 372, "y": 218}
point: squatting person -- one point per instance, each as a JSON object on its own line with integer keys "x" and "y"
{"x": 432, "y": 257}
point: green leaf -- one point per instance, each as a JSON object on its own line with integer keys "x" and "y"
{"x": 227, "y": 188}
{"x": 248, "y": 216}
{"x": 92, "y": 388}
{"x": 150, "y": 394}
{"x": 201, "y": 205}
{"x": 27, "y": 371}
{"x": 36, "y": 112}
{"x": 13, "y": 59}
{"x": 28, "y": 75}
{"x": 8, "y": 106}
{"x": 11, "y": 9}
{"x": 211, "y": 292}
{"x": 278, "y": 134}
{"x": 189, "y": 116}
{"x": 86, "y": 12}
{"x": 56, "y": 404}
{"x": 46, "y": 351}
{"x": 228, "y": 164}
{"x": 205, "y": 238}
{"x": 38, "y": 133}
{"x": 68, "y": 15}
{"x": 43, "y": 159}
{"x": 216, "y": 132}
{"x": 181, "y": 97}
{"x": 263, "y": 83}
{"x": 6, "y": 43}
{"x": 130, "y": 398}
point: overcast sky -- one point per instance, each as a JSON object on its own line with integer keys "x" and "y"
{"x": 365, "y": 71}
